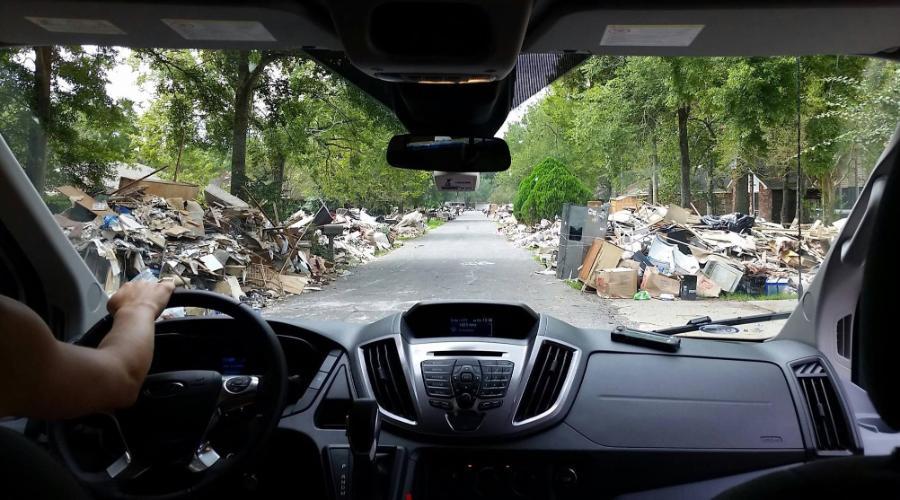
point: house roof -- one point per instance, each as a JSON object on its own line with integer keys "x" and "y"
{"x": 129, "y": 170}
{"x": 777, "y": 182}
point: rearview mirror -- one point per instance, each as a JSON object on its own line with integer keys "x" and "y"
{"x": 448, "y": 154}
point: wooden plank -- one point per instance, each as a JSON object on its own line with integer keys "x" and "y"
{"x": 126, "y": 185}
{"x": 293, "y": 283}
{"x": 587, "y": 265}
{"x": 215, "y": 194}
{"x": 84, "y": 201}
{"x": 163, "y": 189}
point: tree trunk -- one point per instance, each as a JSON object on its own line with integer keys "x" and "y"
{"x": 683, "y": 114}
{"x": 243, "y": 93}
{"x": 827, "y": 186}
{"x": 710, "y": 185}
{"x": 178, "y": 158}
{"x": 654, "y": 175}
{"x": 786, "y": 200}
{"x": 36, "y": 163}
{"x": 741, "y": 198}
{"x": 603, "y": 190}
{"x": 280, "y": 161}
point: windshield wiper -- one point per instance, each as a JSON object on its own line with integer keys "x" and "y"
{"x": 695, "y": 324}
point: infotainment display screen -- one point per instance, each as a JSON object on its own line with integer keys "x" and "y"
{"x": 470, "y": 319}
{"x": 461, "y": 326}
{"x": 232, "y": 365}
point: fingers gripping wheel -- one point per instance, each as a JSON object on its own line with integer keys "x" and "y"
{"x": 175, "y": 411}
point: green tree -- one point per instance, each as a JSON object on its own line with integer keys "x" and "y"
{"x": 622, "y": 110}
{"x": 57, "y": 114}
{"x": 542, "y": 194}
{"x": 688, "y": 81}
{"x": 222, "y": 84}
{"x": 824, "y": 149}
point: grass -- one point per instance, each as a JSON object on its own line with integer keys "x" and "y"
{"x": 746, "y": 297}
{"x": 434, "y": 223}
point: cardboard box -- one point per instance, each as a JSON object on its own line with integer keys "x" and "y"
{"x": 616, "y": 283}
{"x": 90, "y": 206}
{"x": 601, "y": 255}
{"x": 656, "y": 284}
{"x": 630, "y": 264}
{"x": 707, "y": 288}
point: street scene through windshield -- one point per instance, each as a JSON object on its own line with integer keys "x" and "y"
{"x": 644, "y": 191}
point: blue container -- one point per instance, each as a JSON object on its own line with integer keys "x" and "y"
{"x": 776, "y": 286}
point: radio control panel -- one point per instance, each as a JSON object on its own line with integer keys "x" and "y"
{"x": 458, "y": 384}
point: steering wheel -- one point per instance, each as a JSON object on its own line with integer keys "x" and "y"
{"x": 168, "y": 426}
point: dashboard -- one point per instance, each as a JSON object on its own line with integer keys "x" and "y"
{"x": 492, "y": 400}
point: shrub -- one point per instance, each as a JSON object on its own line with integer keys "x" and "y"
{"x": 527, "y": 185}
{"x": 542, "y": 194}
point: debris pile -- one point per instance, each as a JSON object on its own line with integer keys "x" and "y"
{"x": 226, "y": 246}
{"x": 670, "y": 252}
{"x": 543, "y": 237}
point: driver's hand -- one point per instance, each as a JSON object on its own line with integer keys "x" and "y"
{"x": 141, "y": 294}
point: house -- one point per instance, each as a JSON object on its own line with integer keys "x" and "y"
{"x": 767, "y": 192}
{"x": 850, "y": 185}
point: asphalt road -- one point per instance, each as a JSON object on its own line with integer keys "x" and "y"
{"x": 464, "y": 259}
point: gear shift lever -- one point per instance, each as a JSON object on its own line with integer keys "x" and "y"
{"x": 363, "y": 428}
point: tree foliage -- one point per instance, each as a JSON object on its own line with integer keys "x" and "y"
{"x": 672, "y": 127}
{"x": 67, "y": 131}
{"x": 288, "y": 130}
{"x": 309, "y": 133}
{"x": 543, "y": 193}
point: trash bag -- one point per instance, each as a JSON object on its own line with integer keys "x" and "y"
{"x": 742, "y": 224}
{"x": 714, "y": 222}
{"x": 642, "y": 295}
{"x": 736, "y": 222}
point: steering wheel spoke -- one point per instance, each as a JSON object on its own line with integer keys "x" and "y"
{"x": 125, "y": 468}
{"x": 204, "y": 457}
{"x": 238, "y": 391}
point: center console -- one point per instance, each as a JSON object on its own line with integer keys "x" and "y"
{"x": 466, "y": 387}
{"x": 466, "y": 390}
{"x": 467, "y": 370}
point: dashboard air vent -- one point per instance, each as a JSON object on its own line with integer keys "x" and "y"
{"x": 387, "y": 378}
{"x": 826, "y": 413}
{"x": 546, "y": 381}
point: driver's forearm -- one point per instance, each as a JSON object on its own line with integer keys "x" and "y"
{"x": 130, "y": 343}
{"x": 42, "y": 377}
